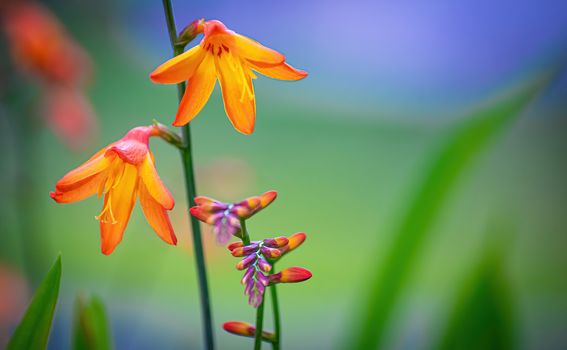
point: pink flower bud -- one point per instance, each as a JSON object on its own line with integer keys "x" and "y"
{"x": 247, "y": 250}
{"x": 247, "y": 261}
{"x": 246, "y": 330}
{"x": 291, "y": 275}
{"x": 271, "y": 253}
{"x": 235, "y": 245}
{"x": 264, "y": 265}
{"x": 277, "y": 242}
{"x": 247, "y": 275}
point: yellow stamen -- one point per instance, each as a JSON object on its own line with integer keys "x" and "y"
{"x": 106, "y": 215}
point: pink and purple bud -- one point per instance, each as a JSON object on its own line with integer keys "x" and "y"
{"x": 270, "y": 253}
{"x": 277, "y": 242}
{"x": 242, "y": 251}
{"x": 225, "y": 217}
{"x": 291, "y": 275}
{"x": 246, "y": 330}
{"x": 247, "y": 261}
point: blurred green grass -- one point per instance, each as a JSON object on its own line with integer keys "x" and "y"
{"x": 341, "y": 180}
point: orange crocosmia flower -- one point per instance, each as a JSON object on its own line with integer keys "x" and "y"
{"x": 231, "y": 58}
{"x": 41, "y": 46}
{"x": 121, "y": 171}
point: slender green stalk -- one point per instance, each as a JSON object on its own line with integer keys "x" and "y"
{"x": 259, "y": 326}
{"x": 187, "y": 158}
{"x": 245, "y": 236}
{"x": 276, "y": 311}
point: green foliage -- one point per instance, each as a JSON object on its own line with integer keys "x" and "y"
{"x": 482, "y": 315}
{"x": 456, "y": 153}
{"x": 33, "y": 331}
{"x": 91, "y": 328}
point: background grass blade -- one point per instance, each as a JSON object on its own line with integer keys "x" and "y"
{"x": 445, "y": 167}
{"x": 91, "y": 328}
{"x": 482, "y": 315}
{"x": 33, "y": 331}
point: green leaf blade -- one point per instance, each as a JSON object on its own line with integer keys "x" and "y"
{"x": 445, "y": 168}
{"x": 33, "y": 331}
{"x": 91, "y": 329}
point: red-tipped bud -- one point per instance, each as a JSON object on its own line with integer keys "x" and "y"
{"x": 294, "y": 241}
{"x": 235, "y": 245}
{"x": 264, "y": 265}
{"x": 247, "y": 250}
{"x": 190, "y": 32}
{"x": 271, "y": 253}
{"x": 246, "y": 330}
{"x": 291, "y": 275}
{"x": 247, "y": 261}
{"x": 277, "y": 242}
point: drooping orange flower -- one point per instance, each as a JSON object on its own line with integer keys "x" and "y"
{"x": 121, "y": 171}
{"x": 231, "y": 58}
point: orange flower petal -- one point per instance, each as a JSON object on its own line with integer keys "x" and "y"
{"x": 237, "y": 92}
{"x": 282, "y": 71}
{"x": 153, "y": 183}
{"x": 93, "y": 166}
{"x": 82, "y": 189}
{"x": 179, "y": 68}
{"x": 122, "y": 199}
{"x": 254, "y": 51}
{"x": 156, "y": 216}
{"x": 199, "y": 89}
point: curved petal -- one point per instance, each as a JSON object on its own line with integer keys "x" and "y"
{"x": 282, "y": 71}
{"x": 237, "y": 92}
{"x": 96, "y": 164}
{"x": 82, "y": 189}
{"x": 122, "y": 199}
{"x": 199, "y": 89}
{"x": 153, "y": 183}
{"x": 179, "y": 68}
{"x": 254, "y": 51}
{"x": 156, "y": 216}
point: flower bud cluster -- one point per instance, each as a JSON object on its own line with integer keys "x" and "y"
{"x": 258, "y": 259}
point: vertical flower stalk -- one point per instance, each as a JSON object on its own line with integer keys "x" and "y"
{"x": 187, "y": 158}
{"x": 277, "y": 318}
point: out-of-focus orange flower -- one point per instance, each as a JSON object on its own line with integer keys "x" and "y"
{"x": 70, "y": 116}
{"x": 230, "y": 58}
{"x": 121, "y": 171}
{"x": 41, "y": 48}
{"x": 40, "y": 45}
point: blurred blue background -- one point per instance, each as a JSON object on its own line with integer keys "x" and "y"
{"x": 346, "y": 149}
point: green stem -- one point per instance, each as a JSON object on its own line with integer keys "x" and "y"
{"x": 276, "y": 312}
{"x": 187, "y": 158}
{"x": 259, "y": 326}
{"x": 245, "y": 236}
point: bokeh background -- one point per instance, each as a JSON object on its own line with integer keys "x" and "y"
{"x": 476, "y": 258}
